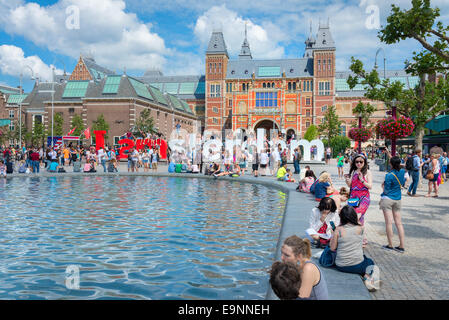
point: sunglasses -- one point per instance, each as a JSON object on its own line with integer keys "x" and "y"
{"x": 360, "y": 162}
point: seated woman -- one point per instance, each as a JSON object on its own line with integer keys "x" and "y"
{"x": 112, "y": 166}
{"x": 53, "y": 167}
{"x": 321, "y": 220}
{"x": 347, "y": 241}
{"x": 216, "y": 169}
{"x": 313, "y": 284}
{"x": 90, "y": 167}
{"x": 285, "y": 280}
{"x": 306, "y": 183}
{"x": 323, "y": 186}
{"x": 22, "y": 166}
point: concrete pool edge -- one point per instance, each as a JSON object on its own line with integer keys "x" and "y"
{"x": 341, "y": 285}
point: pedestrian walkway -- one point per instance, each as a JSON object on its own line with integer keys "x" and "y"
{"x": 422, "y": 271}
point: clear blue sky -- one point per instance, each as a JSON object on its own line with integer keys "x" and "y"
{"x": 171, "y": 35}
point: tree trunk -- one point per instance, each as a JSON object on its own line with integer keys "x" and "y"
{"x": 419, "y": 135}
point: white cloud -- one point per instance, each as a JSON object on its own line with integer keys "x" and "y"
{"x": 13, "y": 62}
{"x": 264, "y": 44}
{"x": 115, "y": 37}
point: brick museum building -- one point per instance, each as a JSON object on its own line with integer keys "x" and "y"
{"x": 242, "y": 92}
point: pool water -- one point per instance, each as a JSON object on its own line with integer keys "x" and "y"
{"x": 136, "y": 237}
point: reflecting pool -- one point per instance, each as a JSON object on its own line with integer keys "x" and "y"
{"x": 136, "y": 237}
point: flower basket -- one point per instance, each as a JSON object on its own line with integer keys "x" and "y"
{"x": 395, "y": 129}
{"x": 360, "y": 134}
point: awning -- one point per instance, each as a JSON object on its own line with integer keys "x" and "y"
{"x": 4, "y": 122}
{"x": 440, "y": 123}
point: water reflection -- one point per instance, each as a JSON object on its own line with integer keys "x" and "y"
{"x": 137, "y": 237}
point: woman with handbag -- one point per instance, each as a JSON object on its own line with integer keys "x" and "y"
{"x": 313, "y": 284}
{"x": 390, "y": 203}
{"x": 360, "y": 181}
{"x": 432, "y": 174}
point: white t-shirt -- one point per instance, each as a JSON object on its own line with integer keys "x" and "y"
{"x": 100, "y": 154}
{"x": 276, "y": 155}
{"x": 263, "y": 158}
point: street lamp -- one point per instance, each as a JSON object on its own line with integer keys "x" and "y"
{"x": 375, "y": 63}
{"x": 393, "y": 114}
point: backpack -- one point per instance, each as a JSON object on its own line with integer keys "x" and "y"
{"x": 178, "y": 168}
{"x": 409, "y": 164}
{"x": 61, "y": 170}
{"x": 171, "y": 167}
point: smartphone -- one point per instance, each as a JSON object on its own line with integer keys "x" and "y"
{"x": 332, "y": 225}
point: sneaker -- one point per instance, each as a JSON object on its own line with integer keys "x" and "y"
{"x": 369, "y": 284}
{"x": 399, "y": 249}
{"x": 388, "y": 248}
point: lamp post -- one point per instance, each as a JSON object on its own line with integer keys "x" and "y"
{"x": 393, "y": 114}
{"x": 375, "y": 63}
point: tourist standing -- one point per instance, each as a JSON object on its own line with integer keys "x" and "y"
{"x": 264, "y": 162}
{"x": 413, "y": 166}
{"x": 35, "y": 161}
{"x": 444, "y": 161}
{"x": 255, "y": 164}
{"x": 340, "y": 165}
{"x": 296, "y": 160}
{"x": 328, "y": 154}
{"x": 360, "y": 181}
{"x": 390, "y": 203}
{"x": 432, "y": 175}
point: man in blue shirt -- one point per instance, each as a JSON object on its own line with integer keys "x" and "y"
{"x": 414, "y": 173}
{"x": 444, "y": 160}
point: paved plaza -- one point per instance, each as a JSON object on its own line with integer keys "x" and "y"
{"x": 421, "y": 272}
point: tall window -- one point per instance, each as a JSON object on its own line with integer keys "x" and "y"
{"x": 11, "y": 126}
{"x": 343, "y": 130}
{"x": 215, "y": 90}
{"x": 289, "y": 86}
{"x": 324, "y": 88}
{"x": 294, "y": 85}
{"x": 319, "y": 65}
{"x": 307, "y": 101}
{"x": 266, "y": 99}
{"x": 329, "y": 64}
{"x": 11, "y": 113}
{"x": 307, "y": 113}
{"x": 264, "y": 85}
{"x": 219, "y": 67}
{"x": 210, "y": 67}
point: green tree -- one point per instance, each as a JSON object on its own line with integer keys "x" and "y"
{"x": 311, "y": 133}
{"x": 145, "y": 123}
{"x": 428, "y": 99}
{"x": 77, "y": 122}
{"x": 330, "y": 127}
{"x": 100, "y": 124}
{"x": 58, "y": 125}
{"x": 38, "y": 134}
{"x": 339, "y": 144}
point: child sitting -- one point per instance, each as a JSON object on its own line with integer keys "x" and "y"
{"x": 340, "y": 197}
{"x": 288, "y": 176}
{"x": 53, "y": 167}
{"x": 22, "y": 166}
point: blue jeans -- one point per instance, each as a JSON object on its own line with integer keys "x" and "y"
{"x": 358, "y": 268}
{"x": 103, "y": 163}
{"x": 415, "y": 180}
{"x": 35, "y": 165}
{"x": 297, "y": 168}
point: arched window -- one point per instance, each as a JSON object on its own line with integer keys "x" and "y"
{"x": 289, "y": 86}
{"x": 219, "y": 67}
{"x": 264, "y": 85}
{"x": 215, "y": 68}
{"x": 210, "y": 67}
{"x": 329, "y": 64}
{"x": 294, "y": 85}
{"x": 272, "y": 84}
{"x": 268, "y": 85}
